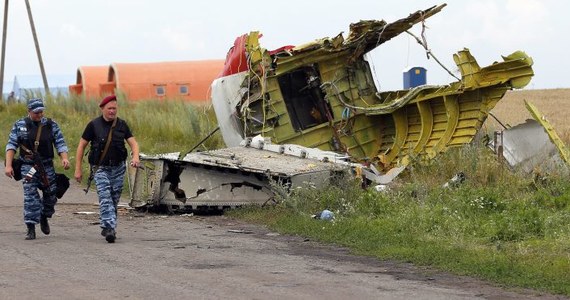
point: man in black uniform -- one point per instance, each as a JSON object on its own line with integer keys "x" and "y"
{"x": 107, "y": 156}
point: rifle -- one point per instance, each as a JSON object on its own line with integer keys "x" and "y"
{"x": 90, "y": 179}
{"x": 38, "y": 164}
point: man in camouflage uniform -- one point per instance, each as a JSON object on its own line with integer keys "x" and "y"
{"x": 23, "y": 136}
{"x": 109, "y": 166}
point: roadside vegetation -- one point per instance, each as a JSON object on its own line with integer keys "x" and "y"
{"x": 500, "y": 225}
{"x": 158, "y": 128}
{"x": 508, "y": 228}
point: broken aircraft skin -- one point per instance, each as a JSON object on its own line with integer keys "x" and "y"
{"x": 252, "y": 173}
{"x": 322, "y": 96}
{"x": 533, "y": 146}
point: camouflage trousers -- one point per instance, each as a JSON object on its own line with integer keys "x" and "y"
{"x": 109, "y": 182}
{"x": 34, "y": 205}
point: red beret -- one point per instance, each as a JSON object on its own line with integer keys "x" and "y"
{"x": 107, "y": 100}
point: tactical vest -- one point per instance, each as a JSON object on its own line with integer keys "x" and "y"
{"x": 117, "y": 151}
{"x": 45, "y": 147}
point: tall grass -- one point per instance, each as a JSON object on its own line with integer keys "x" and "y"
{"x": 158, "y": 126}
{"x": 498, "y": 225}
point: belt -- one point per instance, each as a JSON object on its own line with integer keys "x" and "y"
{"x": 29, "y": 160}
{"x": 113, "y": 163}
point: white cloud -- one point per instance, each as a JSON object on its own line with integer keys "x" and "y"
{"x": 181, "y": 40}
{"x": 71, "y": 31}
{"x": 506, "y": 23}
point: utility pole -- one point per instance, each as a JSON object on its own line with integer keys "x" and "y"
{"x": 37, "y": 47}
{"x": 4, "y": 33}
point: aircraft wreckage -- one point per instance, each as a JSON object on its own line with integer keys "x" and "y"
{"x": 315, "y": 111}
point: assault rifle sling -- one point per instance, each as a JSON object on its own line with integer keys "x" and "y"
{"x": 38, "y": 163}
{"x": 94, "y": 168}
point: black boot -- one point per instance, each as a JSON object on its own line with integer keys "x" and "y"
{"x": 110, "y": 235}
{"x": 104, "y": 231}
{"x": 44, "y": 225}
{"x": 31, "y": 235}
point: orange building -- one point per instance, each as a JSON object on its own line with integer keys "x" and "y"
{"x": 187, "y": 80}
{"x": 88, "y": 80}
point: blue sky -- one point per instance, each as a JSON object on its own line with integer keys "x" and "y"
{"x": 73, "y": 33}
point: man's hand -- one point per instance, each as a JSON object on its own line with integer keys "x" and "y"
{"x": 135, "y": 163}
{"x": 65, "y": 163}
{"x": 78, "y": 176}
{"x": 9, "y": 171}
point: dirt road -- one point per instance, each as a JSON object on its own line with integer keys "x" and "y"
{"x": 197, "y": 257}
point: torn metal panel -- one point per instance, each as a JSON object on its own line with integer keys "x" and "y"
{"x": 527, "y": 147}
{"x": 227, "y": 177}
{"x": 225, "y": 91}
{"x": 533, "y": 145}
{"x": 564, "y": 152}
{"x": 366, "y": 35}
